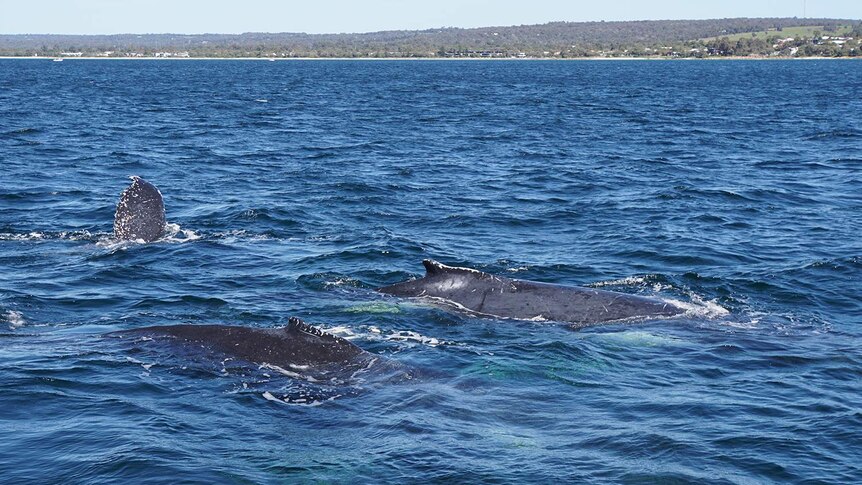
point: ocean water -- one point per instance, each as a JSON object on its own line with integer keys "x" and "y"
{"x": 295, "y": 188}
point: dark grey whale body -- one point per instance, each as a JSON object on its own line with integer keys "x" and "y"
{"x": 298, "y": 348}
{"x": 140, "y": 212}
{"x": 497, "y": 296}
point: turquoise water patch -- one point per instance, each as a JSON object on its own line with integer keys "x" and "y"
{"x": 377, "y": 307}
{"x": 637, "y": 338}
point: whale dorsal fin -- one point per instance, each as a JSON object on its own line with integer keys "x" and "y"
{"x": 433, "y": 267}
{"x": 294, "y": 324}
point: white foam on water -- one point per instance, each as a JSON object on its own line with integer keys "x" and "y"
{"x": 373, "y": 333}
{"x": 224, "y": 369}
{"x": 658, "y": 287}
{"x": 262, "y": 100}
{"x": 305, "y": 402}
{"x": 76, "y": 235}
{"x": 376, "y": 334}
{"x": 754, "y": 322}
{"x": 146, "y": 367}
{"x": 176, "y": 234}
{"x": 298, "y": 401}
{"x": 43, "y": 236}
{"x": 538, "y": 318}
{"x": 742, "y": 325}
{"x": 285, "y": 372}
{"x": 113, "y": 245}
{"x": 237, "y": 235}
{"x": 410, "y": 336}
{"x": 173, "y": 234}
{"x": 11, "y": 236}
{"x": 318, "y": 403}
{"x": 628, "y": 281}
{"x": 698, "y": 307}
{"x": 15, "y": 318}
{"x": 341, "y": 331}
{"x": 340, "y": 282}
{"x": 320, "y": 238}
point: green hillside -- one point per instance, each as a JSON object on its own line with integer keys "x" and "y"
{"x": 796, "y": 32}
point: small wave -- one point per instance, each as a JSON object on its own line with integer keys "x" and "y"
{"x": 261, "y": 100}
{"x": 238, "y": 235}
{"x": 174, "y": 234}
{"x": 343, "y": 331}
{"x": 343, "y": 281}
{"x": 288, "y": 373}
{"x": 638, "y": 338}
{"x": 700, "y": 308}
{"x": 50, "y": 236}
{"x": 151, "y": 302}
{"x": 113, "y": 245}
{"x": 784, "y": 323}
{"x": 146, "y": 366}
{"x": 829, "y": 135}
{"x": 32, "y": 236}
{"x": 743, "y": 325}
{"x": 840, "y": 264}
{"x": 22, "y": 131}
{"x": 636, "y": 281}
{"x": 328, "y": 281}
{"x": 410, "y": 336}
{"x": 14, "y": 318}
{"x": 299, "y": 400}
{"x": 628, "y": 281}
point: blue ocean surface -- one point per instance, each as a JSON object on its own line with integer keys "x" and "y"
{"x": 295, "y": 188}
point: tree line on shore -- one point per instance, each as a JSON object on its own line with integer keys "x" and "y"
{"x": 667, "y": 38}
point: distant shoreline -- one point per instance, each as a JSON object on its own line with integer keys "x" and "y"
{"x": 728, "y": 37}
{"x": 470, "y": 59}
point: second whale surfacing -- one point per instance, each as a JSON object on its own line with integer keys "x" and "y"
{"x": 489, "y": 295}
{"x": 298, "y": 350}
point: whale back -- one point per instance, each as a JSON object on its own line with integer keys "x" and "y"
{"x": 140, "y": 212}
{"x": 495, "y": 296}
{"x": 297, "y": 344}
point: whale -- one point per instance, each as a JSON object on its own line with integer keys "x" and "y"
{"x": 140, "y": 214}
{"x": 492, "y": 296}
{"x": 297, "y": 350}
